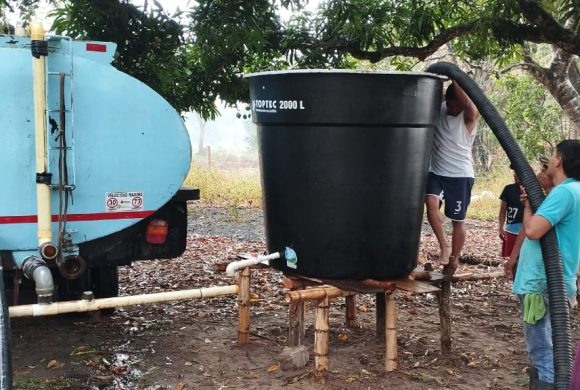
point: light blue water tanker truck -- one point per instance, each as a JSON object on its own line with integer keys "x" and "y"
{"x": 93, "y": 163}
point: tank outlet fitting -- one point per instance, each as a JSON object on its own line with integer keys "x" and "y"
{"x": 34, "y": 268}
{"x": 72, "y": 267}
{"x": 88, "y": 296}
{"x": 48, "y": 251}
{"x": 233, "y": 266}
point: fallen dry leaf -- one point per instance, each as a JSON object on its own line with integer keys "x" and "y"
{"x": 251, "y": 375}
{"x": 273, "y": 368}
{"x": 82, "y": 350}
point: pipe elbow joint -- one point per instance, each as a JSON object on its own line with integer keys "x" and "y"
{"x": 34, "y": 268}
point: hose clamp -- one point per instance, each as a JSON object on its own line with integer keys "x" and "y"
{"x": 30, "y": 264}
{"x": 44, "y": 178}
{"x": 39, "y": 48}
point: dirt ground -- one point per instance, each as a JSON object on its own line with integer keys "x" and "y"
{"x": 192, "y": 344}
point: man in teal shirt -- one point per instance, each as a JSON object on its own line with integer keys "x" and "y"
{"x": 561, "y": 211}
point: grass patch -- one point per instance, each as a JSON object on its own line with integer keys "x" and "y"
{"x": 486, "y": 192}
{"x": 241, "y": 188}
{"x": 36, "y": 384}
{"x": 231, "y": 189}
{"x": 425, "y": 378}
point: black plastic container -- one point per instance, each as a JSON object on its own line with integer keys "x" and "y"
{"x": 344, "y": 159}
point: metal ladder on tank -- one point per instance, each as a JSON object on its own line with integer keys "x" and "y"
{"x": 60, "y": 122}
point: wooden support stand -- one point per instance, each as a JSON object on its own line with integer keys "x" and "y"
{"x": 381, "y": 316}
{"x": 295, "y": 323}
{"x": 321, "y": 328}
{"x": 322, "y": 296}
{"x": 244, "y": 307}
{"x": 301, "y": 289}
{"x": 445, "y": 317}
{"x": 391, "y": 333}
{"x": 350, "y": 303}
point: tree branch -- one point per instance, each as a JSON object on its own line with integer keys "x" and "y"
{"x": 538, "y": 72}
{"x": 505, "y": 29}
{"x": 418, "y": 52}
{"x": 548, "y": 28}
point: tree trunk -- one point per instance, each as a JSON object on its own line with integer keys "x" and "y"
{"x": 574, "y": 75}
{"x": 556, "y": 79}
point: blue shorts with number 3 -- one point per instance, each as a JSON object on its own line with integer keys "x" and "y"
{"x": 454, "y": 191}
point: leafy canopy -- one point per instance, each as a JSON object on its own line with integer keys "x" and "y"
{"x": 206, "y": 53}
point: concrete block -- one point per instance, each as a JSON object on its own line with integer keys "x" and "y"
{"x": 293, "y": 358}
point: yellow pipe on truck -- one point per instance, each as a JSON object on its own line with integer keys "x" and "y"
{"x": 39, "y": 88}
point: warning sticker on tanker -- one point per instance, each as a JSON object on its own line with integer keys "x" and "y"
{"x": 123, "y": 201}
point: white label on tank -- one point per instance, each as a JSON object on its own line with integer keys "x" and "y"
{"x": 124, "y": 201}
{"x": 272, "y": 106}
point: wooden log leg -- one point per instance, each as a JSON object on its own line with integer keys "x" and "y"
{"x": 380, "y": 303}
{"x": 445, "y": 317}
{"x": 391, "y": 332}
{"x": 295, "y": 323}
{"x": 244, "y": 306}
{"x": 350, "y": 302}
{"x": 302, "y": 325}
{"x": 321, "y": 341}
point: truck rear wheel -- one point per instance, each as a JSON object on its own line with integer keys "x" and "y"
{"x": 102, "y": 281}
{"x": 105, "y": 281}
{"x": 105, "y": 284}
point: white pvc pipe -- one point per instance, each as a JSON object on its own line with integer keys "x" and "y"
{"x": 39, "y": 91}
{"x": 109, "y": 303}
{"x": 235, "y": 265}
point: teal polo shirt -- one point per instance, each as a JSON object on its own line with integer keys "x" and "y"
{"x": 561, "y": 209}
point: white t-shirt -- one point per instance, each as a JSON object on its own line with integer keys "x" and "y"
{"x": 451, "y": 155}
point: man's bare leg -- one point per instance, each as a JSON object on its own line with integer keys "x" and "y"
{"x": 457, "y": 242}
{"x": 436, "y": 222}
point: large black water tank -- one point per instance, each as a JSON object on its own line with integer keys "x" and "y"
{"x": 344, "y": 159}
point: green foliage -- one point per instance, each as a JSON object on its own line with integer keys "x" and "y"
{"x": 193, "y": 63}
{"x": 240, "y": 29}
{"x": 565, "y": 9}
{"x": 379, "y": 24}
{"x": 530, "y": 112}
{"x": 251, "y": 37}
{"x": 150, "y": 47}
{"x": 26, "y": 8}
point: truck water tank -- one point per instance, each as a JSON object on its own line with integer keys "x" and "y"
{"x": 344, "y": 162}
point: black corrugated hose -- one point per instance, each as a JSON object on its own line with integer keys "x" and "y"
{"x": 5, "y": 343}
{"x": 559, "y": 311}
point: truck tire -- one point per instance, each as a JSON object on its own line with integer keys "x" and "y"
{"x": 102, "y": 281}
{"x": 105, "y": 284}
{"x": 105, "y": 281}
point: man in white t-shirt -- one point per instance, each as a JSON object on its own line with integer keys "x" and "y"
{"x": 451, "y": 173}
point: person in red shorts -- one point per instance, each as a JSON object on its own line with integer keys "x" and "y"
{"x": 510, "y": 216}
